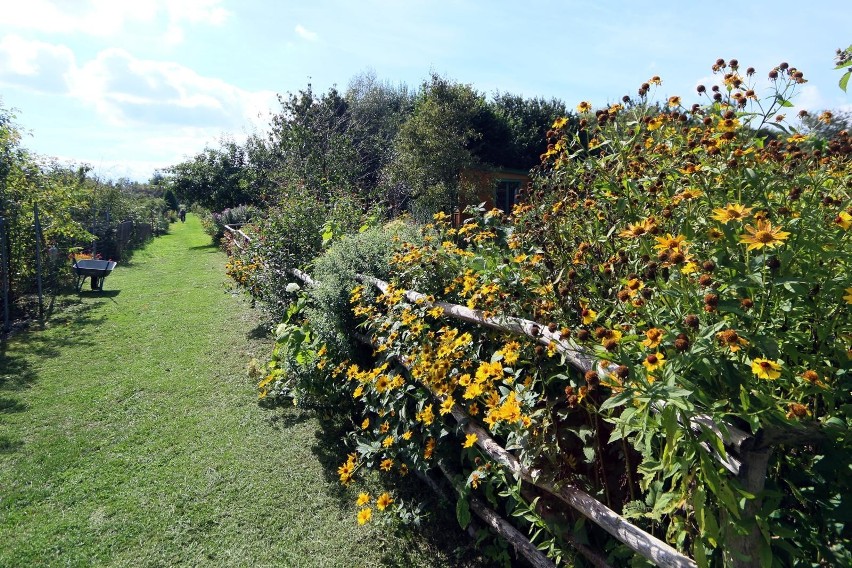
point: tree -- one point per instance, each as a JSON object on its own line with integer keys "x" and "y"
{"x": 216, "y": 178}
{"x": 436, "y": 144}
{"x": 311, "y": 145}
{"x": 376, "y": 113}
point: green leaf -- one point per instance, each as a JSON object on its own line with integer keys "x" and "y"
{"x": 844, "y": 81}
{"x": 463, "y": 513}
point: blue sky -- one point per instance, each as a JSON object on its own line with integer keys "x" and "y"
{"x": 129, "y": 86}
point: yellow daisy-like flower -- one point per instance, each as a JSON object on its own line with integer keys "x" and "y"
{"x": 714, "y": 234}
{"x": 470, "y": 440}
{"x": 584, "y": 106}
{"x": 654, "y": 361}
{"x": 654, "y": 337}
{"x": 386, "y": 464}
{"x": 848, "y": 296}
{"x": 670, "y": 242}
{"x": 365, "y": 424}
{"x": 633, "y": 231}
{"x": 388, "y": 442}
{"x": 407, "y": 435}
{"x": 765, "y": 235}
{"x": 430, "y": 447}
{"x": 560, "y": 123}
{"x": 447, "y": 405}
{"x": 765, "y": 369}
{"x": 589, "y": 315}
{"x": 364, "y": 516}
{"x": 383, "y": 501}
{"x": 674, "y": 102}
{"x": 731, "y": 212}
{"x": 843, "y": 219}
{"x": 363, "y": 499}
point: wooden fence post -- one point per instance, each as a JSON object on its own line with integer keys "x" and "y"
{"x": 37, "y": 227}
{"x": 4, "y": 269}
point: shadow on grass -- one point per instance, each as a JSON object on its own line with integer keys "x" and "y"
{"x": 210, "y": 247}
{"x": 261, "y": 331}
{"x": 7, "y": 445}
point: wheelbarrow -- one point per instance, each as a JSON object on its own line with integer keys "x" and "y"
{"x": 96, "y": 270}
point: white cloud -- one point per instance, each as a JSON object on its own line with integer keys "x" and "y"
{"x": 110, "y": 18}
{"x": 35, "y": 65}
{"x": 304, "y": 33}
{"x": 128, "y": 91}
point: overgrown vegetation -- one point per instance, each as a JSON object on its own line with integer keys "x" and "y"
{"x": 701, "y": 261}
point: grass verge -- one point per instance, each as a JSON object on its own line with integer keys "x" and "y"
{"x": 130, "y": 436}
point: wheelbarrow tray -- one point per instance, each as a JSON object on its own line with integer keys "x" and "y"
{"x": 96, "y": 270}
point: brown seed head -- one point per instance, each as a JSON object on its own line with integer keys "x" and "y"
{"x": 691, "y": 321}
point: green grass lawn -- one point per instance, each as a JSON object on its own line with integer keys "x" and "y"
{"x": 130, "y": 436}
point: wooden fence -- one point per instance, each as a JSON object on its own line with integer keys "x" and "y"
{"x": 746, "y": 457}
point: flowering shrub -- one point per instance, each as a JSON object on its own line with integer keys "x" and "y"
{"x": 701, "y": 256}
{"x": 709, "y": 264}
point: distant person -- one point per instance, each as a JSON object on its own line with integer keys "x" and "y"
{"x": 182, "y": 214}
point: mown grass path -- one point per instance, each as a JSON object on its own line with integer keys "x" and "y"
{"x": 130, "y": 436}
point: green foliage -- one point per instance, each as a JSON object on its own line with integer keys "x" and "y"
{"x": 216, "y": 178}
{"x": 171, "y": 200}
{"x": 436, "y": 143}
{"x": 844, "y": 61}
{"x": 367, "y": 253}
{"x": 312, "y": 145}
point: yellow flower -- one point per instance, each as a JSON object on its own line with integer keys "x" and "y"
{"x": 430, "y": 447}
{"x": 510, "y": 352}
{"x": 844, "y": 219}
{"x": 426, "y": 416}
{"x": 407, "y": 435}
{"x": 670, "y": 242}
{"x": 654, "y": 337}
{"x": 560, "y": 123}
{"x": 470, "y": 440}
{"x": 655, "y": 122}
{"x": 384, "y": 427}
{"x": 848, "y": 296}
{"x": 690, "y": 267}
{"x": 584, "y": 106}
{"x": 386, "y": 464}
{"x": 765, "y": 369}
{"x": 763, "y": 236}
{"x": 383, "y": 501}
{"x": 654, "y": 361}
{"x": 674, "y": 102}
{"x": 363, "y": 499}
{"x": 589, "y": 315}
{"x": 447, "y": 405}
{"x": 714, "y": 234}
{"x": 364, "y": 515}
{"x": 365, "y": 424}
{"x": 731, "y": 212}
{"x": 388, "y": 442}
{"x": 358, "y": 392}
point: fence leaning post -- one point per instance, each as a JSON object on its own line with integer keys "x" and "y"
{"x": 37, "y": 226}
{"x": 5, "y": 274}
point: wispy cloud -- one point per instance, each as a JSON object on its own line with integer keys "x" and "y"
{"x": 305, "y": 33}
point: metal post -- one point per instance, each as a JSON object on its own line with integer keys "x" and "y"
{"x": 5, "y": 274}
{"x": 38, "y": 260}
